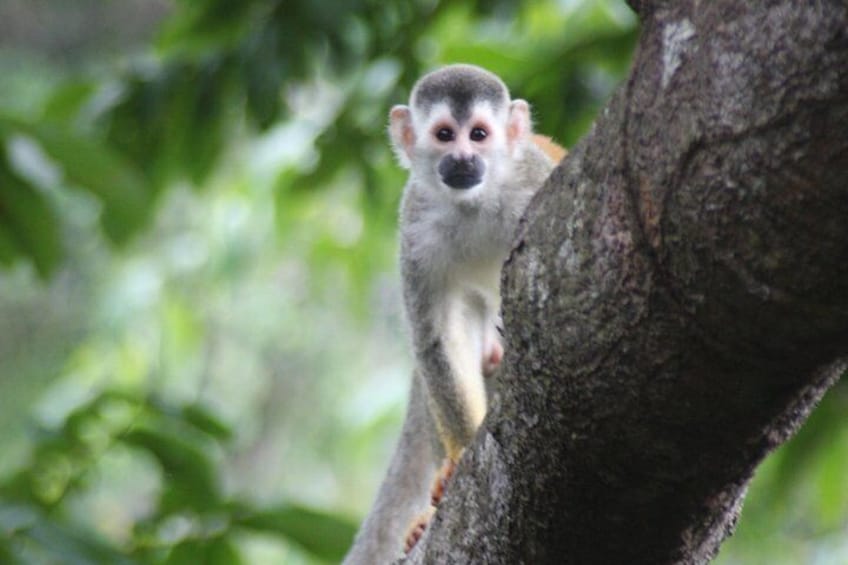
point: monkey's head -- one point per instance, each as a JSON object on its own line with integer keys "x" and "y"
{"x": 460, "y": 131}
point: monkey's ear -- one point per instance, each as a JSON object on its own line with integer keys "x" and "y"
{"x": 402, "y": 134}
{"x": 519, "y": 126}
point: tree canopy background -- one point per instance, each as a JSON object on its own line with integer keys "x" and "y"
{"x": 202, "y": 355}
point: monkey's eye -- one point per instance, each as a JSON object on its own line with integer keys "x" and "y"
{"x": 444, "y": 134}
{"x": 478, "y": 134}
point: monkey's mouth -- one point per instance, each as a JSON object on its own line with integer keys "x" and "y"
{"x": 462, "y": 181}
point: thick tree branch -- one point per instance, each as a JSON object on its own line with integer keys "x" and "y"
{"x": 677, "y": 301}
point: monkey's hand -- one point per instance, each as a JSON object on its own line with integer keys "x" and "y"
{"x": 419, "y": 525}
{"x": 448, "y": 352}
{"x": 492, "y": 356}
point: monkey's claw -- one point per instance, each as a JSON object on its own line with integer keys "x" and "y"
{"x": 419, "y": 525}
{"x": 441, "y": 482}
{"x": 417, "y": 529}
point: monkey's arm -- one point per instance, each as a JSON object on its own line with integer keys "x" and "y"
{"x": 405, "y": 488}
{"x": 448, "y": 353}
{"x": 454, "y": 378}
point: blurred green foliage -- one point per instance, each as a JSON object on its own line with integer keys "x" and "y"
{"x": 199, "y": 313}
{"x": 220, "y": 68}
{"x": 191, "y": 519}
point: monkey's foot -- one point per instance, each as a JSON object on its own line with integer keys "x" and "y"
{"x": 437, "y": 491}
{"x": 416, "y": 529}
{"x": 420, "y": 523}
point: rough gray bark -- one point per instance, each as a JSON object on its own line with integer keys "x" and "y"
{"x": 677, "y": 300}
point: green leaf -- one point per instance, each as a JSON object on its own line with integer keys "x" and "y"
{"x": 189, "y": 473}
{"x": 324, "y": 535}
{"x": 66, "y": 101}
{"x": 8, "y": 247}
{"x": 263, "y": 78}
{"x": 222, "y": 551}
{"x": 189, "y": 552}
{"x": 30, "y": 227}
{"x": 190, "y": 417}
{"x": 197, "y": 29}
{"x": 6, "y": 555}
{"x": 70, "y": 545}
{"x": 218, "y": 551}
{"x": 97, "y": 168}
{"x": 206, "y": 421}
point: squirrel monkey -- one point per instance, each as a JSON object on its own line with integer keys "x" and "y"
{"x": 474, "y": 163}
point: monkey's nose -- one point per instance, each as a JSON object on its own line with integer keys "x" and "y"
{"x": 461, "y": 172}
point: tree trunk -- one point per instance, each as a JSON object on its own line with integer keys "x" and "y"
{"x": 677, "y": 299}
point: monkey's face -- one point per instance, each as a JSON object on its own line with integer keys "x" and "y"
{"x": 463, "y": 147}
{"x": 461, "y": 165}
{"x": 461, "y": 151}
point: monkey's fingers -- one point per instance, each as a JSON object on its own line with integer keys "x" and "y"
{"x": 492, "y": 359}
{"x": 440, "y": 484}
{"x": 416, "y": 529}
